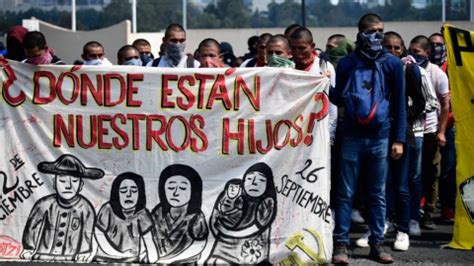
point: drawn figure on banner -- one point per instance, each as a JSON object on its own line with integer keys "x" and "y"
{"x": 180, "y": 226}
{"x": 466, "y": 189}
{"x": 230, "y": 203}
{"x": 124, "y": 225}
{"x": 248, "y": 240}
{"x": 60, "y": 226}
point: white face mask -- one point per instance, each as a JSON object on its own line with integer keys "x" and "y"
{"x": 94, "y": 62}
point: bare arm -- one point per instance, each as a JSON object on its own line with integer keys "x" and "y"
{"x": 443, "y": 121}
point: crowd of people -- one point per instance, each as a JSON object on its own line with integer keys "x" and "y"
{"x": 393, "y": 158}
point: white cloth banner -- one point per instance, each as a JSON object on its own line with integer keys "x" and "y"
{"x": 139, "y": 164}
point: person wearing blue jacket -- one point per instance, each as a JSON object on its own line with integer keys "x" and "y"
{"x": 367, "y": 141}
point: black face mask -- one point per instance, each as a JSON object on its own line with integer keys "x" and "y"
{"x": 146, "y": 58}
{"x": 438, "y": 53}
{"x": 370, "y": 44}
{"x": 420, "y": 60}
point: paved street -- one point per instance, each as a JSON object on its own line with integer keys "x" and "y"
{"x": 424, "y": 250}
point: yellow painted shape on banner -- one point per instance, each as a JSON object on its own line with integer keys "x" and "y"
{"x": 298, "y": 242}
{"x": 460, "y": 47}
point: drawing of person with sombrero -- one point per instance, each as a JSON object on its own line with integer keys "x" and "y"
{"x": 61, "y": 225}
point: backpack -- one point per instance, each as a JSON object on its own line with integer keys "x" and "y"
{"x": 428, "y": 91}
{"x": 365, "y": 98}
{"x": 189, "y": 62}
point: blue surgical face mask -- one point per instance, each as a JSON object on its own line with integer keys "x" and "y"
{"x": 174, "y": 52}
{"x": 93, "y": 62}
{"x": 134, "y": 62}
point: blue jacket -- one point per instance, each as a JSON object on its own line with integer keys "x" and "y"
{"x": 395, "y": 125}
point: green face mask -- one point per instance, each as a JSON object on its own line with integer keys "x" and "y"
{"x": 278, "y": 61}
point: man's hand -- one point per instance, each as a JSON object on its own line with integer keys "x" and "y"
{"x": 397, "y": 150}
{"x": 441, "y": 139}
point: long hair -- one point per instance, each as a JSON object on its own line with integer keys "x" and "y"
{"x": 115, "y": 195}
{"x": 270, "y": 185}
{"x": 255, "y": 201}
{"x": 194, "y": 205}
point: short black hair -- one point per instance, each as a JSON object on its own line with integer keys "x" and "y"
{"x": 115, "y": 193}
{"x": 423, "y": 41}
{"x": 209, "y": 42}
{"x": 392, "y": 35}
{"x": 173, "y": 27}
{"x": 436, "y": 34}
{"x": 141, "y": 42}
{"x": 34, "y": 39}
{"x": 290, "y": 29}
{"x": 367, "y": 19}
{"x": 338, "y": 38}
{"x": 279, "y": 38}
{"x": 395, "y": 35}
{"x": 252, "y": 41}
{"x": 90, "y": 45}
{"x": 302, "y": 33}
{"x": 264, "y": 37}
{"x": 125, "y": 48}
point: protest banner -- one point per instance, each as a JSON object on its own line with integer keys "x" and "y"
{"x": 133, "y": 164}
{"x": 460, "y": 48}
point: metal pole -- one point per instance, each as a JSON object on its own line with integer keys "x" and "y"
{"x": 443, "y": 11}
{"x": 303, "y": 13}
{"x": 134, "y": 16}
{"x": 184, "y": 15}
{"x": 471, "y": 14}
{"x": 73, "y": 15}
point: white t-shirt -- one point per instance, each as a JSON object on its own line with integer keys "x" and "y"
{"x": 327, "y": 66}
{"x": 181, "y": 64}
{"x": 244, "y": 64}
{"x": 439, "y": 79}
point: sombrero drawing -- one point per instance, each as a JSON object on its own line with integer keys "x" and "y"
{"x": 68, "y": 164}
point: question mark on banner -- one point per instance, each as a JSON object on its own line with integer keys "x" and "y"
{"x": 6, "y": 85}
{"x": 318, "y": 97}
{"x": 297, "y": 242}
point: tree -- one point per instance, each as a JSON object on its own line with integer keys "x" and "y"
{"x": 284, "y": 14}
{"x": 115, "y": 12}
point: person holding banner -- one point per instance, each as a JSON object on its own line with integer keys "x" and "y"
{"x": 93, "y": 54}
{"x": 306, "y": 59}
{"x": 180, "y": 229}
{"x": 144, "y": 48}
{"x": 174, "y": 43}
{"x": 209, "y": 54}
{"x": 60, "y": 225}
{"x": 278, "y": 52}
{"x": 124, "y": 224}
{"x": 37, "y": 51}
{"x": 128, "y": 55}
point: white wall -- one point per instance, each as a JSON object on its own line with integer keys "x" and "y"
{"x": 68, "y": 44}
